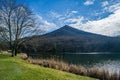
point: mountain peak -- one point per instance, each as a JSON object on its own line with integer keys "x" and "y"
{"x": 63, "y": 31}
{"x": 70, "y": 31}
{"x": 66, "y": 27}
{"x": 69, "y": 28}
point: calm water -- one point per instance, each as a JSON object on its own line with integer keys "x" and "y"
{"x": 107, "y": 61}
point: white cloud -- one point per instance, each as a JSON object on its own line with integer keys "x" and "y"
{"x": 109, "y": 26}
{"x": 70, "y": 14}
{"x": 44, "y": 25}
{"x": 89, "y": 2}
{"x": 67, "y": 14}
{"x": 55, "y": 14}
{"x": 75, "y": 20}
{"x": 105, "y": 3}
{"x": 59, "y": 19}
{"x": 74, "y": 12}
{"x": 112, "y": 8}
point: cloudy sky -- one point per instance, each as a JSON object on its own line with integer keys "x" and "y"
{"x": 96, "y": 16}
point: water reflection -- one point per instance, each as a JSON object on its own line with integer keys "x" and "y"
{"x": 107, "y": 61}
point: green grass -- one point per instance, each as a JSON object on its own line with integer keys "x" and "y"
{"x": 17, "y": 69}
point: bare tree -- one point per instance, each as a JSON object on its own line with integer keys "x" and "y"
{"x": 16, "y": 22}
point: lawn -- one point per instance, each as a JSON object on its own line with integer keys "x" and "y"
{"x": 14, "y": 68}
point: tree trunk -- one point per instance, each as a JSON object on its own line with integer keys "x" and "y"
{"x": 16, "y": 51}
{"x": 13, "y": 52}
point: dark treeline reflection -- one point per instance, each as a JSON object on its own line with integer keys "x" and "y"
{"x": 85, "y": 59}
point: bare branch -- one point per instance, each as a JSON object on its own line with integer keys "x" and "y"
{"x": 16, "y": 22}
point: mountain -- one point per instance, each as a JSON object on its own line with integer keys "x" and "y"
{"x": 70, "y": 31}
{"x": 68, "y": 39}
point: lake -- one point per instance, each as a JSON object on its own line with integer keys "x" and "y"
{"x": 107, "y": 61}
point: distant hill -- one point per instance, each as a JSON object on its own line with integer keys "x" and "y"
{"x": 69, "y": 39}
{"x": 70, "y": 31}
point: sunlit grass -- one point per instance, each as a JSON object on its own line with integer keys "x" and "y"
{"x": 13, "y": 68}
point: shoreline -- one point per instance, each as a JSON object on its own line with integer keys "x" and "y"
{"x": 75, "y": 69}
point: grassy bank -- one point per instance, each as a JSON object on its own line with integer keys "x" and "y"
{"x": 17, "y": 69}
{"x": 75, "y": 69}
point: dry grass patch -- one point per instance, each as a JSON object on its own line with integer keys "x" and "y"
{"x": 79, "y": 70}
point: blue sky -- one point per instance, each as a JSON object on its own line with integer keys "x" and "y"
{"x": 97, "y": 16}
